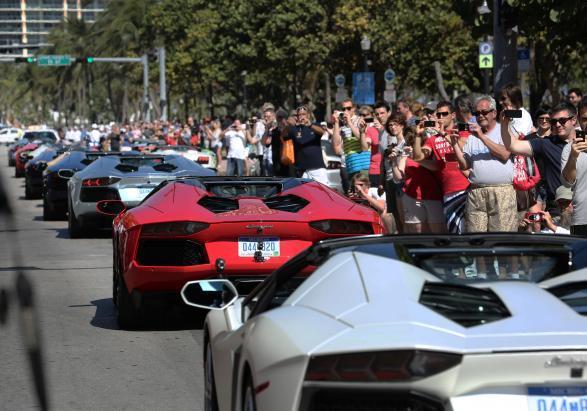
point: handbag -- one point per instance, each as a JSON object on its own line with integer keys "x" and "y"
{"x": 287, "y": 152}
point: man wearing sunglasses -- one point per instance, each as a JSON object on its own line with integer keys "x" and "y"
{"x": 574, "y": 171}
{"x": 547, "y": 150}
{"x": 491, "y": 200}
{"x": 453, "y": 182}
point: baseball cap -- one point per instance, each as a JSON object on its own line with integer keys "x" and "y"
{"x": 431, "y": 105}
{"x": 563, "y": 193}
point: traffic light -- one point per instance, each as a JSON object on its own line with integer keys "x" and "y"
{"x": 88, "y": 60}
{"x": 29, "y": 60}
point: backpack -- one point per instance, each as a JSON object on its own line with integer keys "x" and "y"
{"x": 526, "y": 173}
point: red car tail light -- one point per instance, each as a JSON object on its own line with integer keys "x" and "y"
{"x": 203, "y": 160}
{"x": 342, "y": 227}
{"x": 172, "y": 229}
{"x": 384, "y": 366}
{"x": 100, "y": 181}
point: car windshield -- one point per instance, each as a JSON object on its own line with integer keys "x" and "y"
{"x": 40, "y": 135}
{"x": 521, "y": 266}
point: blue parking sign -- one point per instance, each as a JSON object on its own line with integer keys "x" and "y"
{"x": 364, "y": 88}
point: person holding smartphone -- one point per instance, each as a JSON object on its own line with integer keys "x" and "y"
{"x": 574, "y": 172}
{"x": 563, "y": 119}
{"x": 453, "y": 181}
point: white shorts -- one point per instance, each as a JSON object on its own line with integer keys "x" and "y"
{"x": 317, "y": 174}
{"x": 422, "y": 211}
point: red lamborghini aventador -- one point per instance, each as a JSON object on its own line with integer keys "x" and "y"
{"x": 200, "y": 227}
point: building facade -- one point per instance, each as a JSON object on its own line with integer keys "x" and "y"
{"x": 25, "y": 24}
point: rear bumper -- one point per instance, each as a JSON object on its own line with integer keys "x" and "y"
{"x": 146, "y": 279}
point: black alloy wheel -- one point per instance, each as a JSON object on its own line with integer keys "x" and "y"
{"x": 249, "y": 402}
{"x": 128, "y": 316}
{"x": 75, "y": 229}
{"x": 210, "y": 399}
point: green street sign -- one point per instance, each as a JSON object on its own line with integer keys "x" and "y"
{"x": 485, "y": 61}
{"x": 54, "y": 60}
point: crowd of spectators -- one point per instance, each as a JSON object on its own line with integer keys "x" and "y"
{"x": 460, "y": 166}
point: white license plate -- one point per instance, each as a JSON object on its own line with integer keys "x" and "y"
{"x": 248, "y": 246}
{"x": 134, "y": 194}
{"x": 557, "y": 398}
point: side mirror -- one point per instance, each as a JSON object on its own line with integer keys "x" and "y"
{"x": 66, "y": 173}
{"x": 110, "y": 207}
{"x": 209, "y": 294}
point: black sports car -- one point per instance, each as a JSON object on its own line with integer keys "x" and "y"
{"x": 33, "y": 185}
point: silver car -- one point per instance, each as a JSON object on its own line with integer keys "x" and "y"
{"x": 129, "y": 178}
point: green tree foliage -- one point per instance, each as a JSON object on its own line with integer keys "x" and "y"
{"x": 284, "y": 51}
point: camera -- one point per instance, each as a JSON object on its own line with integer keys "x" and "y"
{"x": 513, "y": 113}
{"x": 429, "y": 123}
{"x": 369, "y": 120}
{"x": 387, "y": 151}
{"x": 406, "y": 151}
{"x": 341, "y": 116}
{"x": 463, "y": 126}
{"x": 534, "y": 217}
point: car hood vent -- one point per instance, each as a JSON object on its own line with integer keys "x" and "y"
{"x": 467, "y": 306}
{"x": 289, "y": 203}
{"x": 219, "y": 204}
{"x": 572, "y": 294}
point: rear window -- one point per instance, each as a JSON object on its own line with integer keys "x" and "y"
{"x": 141, "y": 161}
{"x": 232, "y": 190}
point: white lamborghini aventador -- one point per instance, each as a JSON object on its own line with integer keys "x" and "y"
{"x": 419, "y": 323}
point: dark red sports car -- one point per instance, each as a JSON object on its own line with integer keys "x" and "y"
{"x": 201, "y": 227}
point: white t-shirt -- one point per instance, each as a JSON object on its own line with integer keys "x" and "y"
{"x": 373, "y": 192}
{"x": 579, "y": 185}
{"x": 522, "y": 125}
{"x": 485, "y": 168}
{"x": 235, "y": 140}
{"x": 95, "y": 136}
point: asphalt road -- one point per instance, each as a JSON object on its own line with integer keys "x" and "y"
{"x": 90, "y": 363}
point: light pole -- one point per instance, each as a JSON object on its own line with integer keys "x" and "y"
{"x": 244, "y": 76}
{"x": 482, "y": 10}
{"x": 365, "y": 46}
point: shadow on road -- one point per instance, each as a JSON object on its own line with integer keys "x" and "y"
{"x": 60, "y": 232}
{"x": 168, "y": 319}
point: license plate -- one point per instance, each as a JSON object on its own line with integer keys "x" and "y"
{"x": 248, "y": 246}
{"x": 557, "y": 398}
{"x": 135, "y": 194}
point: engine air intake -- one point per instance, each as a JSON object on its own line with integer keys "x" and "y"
{"x": 289, "y": 203}
{"x": 467, "y": 306}
{"x": 159, "y": 252}
{"x": 219, "y": 204}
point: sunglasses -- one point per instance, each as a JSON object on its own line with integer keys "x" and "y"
{"x": 562, "y": 120}
{"x": 543, "y": 119}
{"x": 563, "y": 203}
{"x": 302, "y": 108}
{"x": 482, "y": 112}
{"x": 347, "y": 108}
{"x": 442, "y": 113}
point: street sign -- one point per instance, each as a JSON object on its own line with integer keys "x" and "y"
{"x": 389, "y": 75}
{"x": 485, "y": 61}
{"x": 523, "y": 59}
{"x": 54, "y": 60}
{"x": 339, "y": 80}
{"x": 485, "y": 47}
{"x": 364, "y": 88}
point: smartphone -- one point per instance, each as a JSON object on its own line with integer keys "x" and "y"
{"x": 430, "y": 123}
{"x": 463, "y": 126}
{"x": 579, "y": 136}
{"x": 369, "y": 119}
{"x": 513, "y": 113}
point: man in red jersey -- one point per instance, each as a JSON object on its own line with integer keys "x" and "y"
{"x": 453, "y": 182}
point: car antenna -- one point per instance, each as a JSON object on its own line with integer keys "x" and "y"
{"x": 29, "y": 325}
